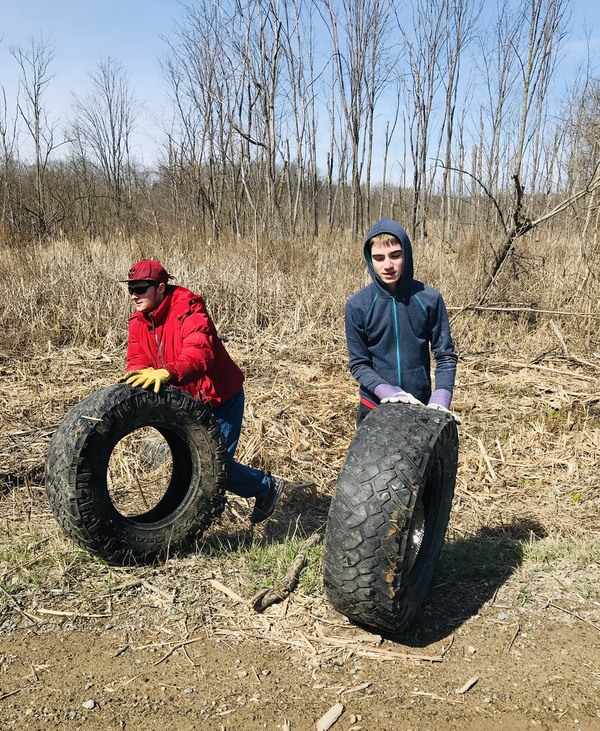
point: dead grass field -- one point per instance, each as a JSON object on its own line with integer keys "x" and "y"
{"x": 515, "y": 610}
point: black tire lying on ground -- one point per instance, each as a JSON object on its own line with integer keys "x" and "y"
{"x": 389, "y": 514}
{"x": 77, "y": 473}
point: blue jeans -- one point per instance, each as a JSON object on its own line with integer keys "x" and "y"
{"x": 241, "y": 480}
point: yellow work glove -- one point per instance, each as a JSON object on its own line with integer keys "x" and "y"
{"x": 147, "y": 377}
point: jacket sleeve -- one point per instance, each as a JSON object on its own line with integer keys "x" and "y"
{"x": 360, "y": 361}
{"x": 197, "y": 346}
{"x": 136, "y": 357}
{"x": 442, "y": 348}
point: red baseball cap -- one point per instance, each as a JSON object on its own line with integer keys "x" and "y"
{"x": 148, "y": 270}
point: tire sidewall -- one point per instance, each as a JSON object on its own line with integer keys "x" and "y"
{"x": 79, "y": 455}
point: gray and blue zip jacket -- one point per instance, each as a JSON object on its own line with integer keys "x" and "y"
{"x": 389, "y": 337}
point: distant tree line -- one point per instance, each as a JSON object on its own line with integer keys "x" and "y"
{"x": 298, "y": 117}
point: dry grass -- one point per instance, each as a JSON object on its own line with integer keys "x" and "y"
{"x": 527, "y": 392}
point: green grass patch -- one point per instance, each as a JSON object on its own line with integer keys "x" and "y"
{"x": 549, "y": 553}
{"x": 266, "y": 564}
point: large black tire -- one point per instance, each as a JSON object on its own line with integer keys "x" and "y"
{"x": 389, "y": 514}
{"x": 78, "y": 463}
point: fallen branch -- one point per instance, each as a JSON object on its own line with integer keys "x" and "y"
{"x": 265, "y": 597}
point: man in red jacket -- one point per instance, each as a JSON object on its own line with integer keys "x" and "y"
{"x": 172, "y": 339}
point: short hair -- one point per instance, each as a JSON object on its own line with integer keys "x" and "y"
{"x": 385, "y": 239}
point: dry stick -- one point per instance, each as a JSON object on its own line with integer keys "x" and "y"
{"x": 513, "y": 638}
{"x": 366, "y": 637}
{"x": 446, "y": 649}
{"x": 177, "y": 647}
{"x": 546, "y": 369}
{"x": 467, "y": 686}
{"x": 527, "y": 310}
{"x": 123, "y": 587}
{"x": 375, "y": 652}
{"x": 166, "y": 595}
{"x": 572, "y": 614}
{"x": 12, "y": 692}
{"x": 355, "y": 689}
{"x": 560, "y": 337}
{"x": 484, "y": 454}
{"x": 30, "y": 617}
{"x": 57, "y": 613}
{"x": 436, "y": 697}
{"x": 264, "y": 598}
{"x": 227, "y": 591}
{"x": 326, "y": 721}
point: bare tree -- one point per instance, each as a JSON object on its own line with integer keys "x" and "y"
{"x": 542, "y": 19}
{"x": 9, "y": 167}
{"x": 34, "y": 62}
{"x": 582, "y": 131}
{"x": 103, "y": 124}
{"x": 199, "y": 143}
{"x": 460, "y": 18}
{"x": 497, "y": 62}
{"x": 424, "y": 43}
{"x": 359, "y": 55}
{"x": 298, "y": 44}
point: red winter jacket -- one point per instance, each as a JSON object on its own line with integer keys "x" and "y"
{"x": 180, "y": 336}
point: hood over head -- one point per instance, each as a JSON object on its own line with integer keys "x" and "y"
{"x": 388, "y": 226}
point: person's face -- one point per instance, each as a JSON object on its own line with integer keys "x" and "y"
{"x": 146, "y": 296}
{"x": 387, "y": 263}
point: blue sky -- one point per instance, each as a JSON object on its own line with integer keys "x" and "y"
{"x": 85, "y": 31}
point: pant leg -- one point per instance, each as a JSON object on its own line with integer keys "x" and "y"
{"x": 241, "y": 480}
{"x": 361, "y": 412}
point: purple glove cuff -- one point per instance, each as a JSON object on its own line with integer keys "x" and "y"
{"x": 441, "y": 397}
{"x": 384, "y": 390}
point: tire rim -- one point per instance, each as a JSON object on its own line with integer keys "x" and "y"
{"x": 416, "y": 534}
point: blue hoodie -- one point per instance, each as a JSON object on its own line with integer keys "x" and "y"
{"x": 389, "y": 336}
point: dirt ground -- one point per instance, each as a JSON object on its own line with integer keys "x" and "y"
{"x": 507, "y": 639}
{"x": 466, "y": 665}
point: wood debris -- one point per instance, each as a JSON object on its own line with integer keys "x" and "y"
{"x": 467, "y": 686}
{"x": 264, "y": 598}
{"x": 328, "y": 719}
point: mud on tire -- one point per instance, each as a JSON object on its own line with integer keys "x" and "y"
{"x": 78, "y": 476}
{"x": 389, "y": 514}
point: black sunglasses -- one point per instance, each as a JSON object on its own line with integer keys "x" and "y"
{"x": 140, "y": 288}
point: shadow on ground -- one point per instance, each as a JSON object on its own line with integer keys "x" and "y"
{"x": 300, "y": 513}
{"x": 470, "y": 573}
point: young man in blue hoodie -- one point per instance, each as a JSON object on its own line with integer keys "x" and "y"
{"x": 391, "y": 326}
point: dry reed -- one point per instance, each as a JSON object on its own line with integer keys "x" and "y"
{"x": 527, "y": 386}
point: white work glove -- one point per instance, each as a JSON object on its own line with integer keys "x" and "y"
{"x": 401, "y": 397}
{"x": 439, "y": 407}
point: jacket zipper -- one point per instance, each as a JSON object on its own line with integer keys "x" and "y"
{"x": 158, "y": 343}
{"x": 398, "y": 362}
